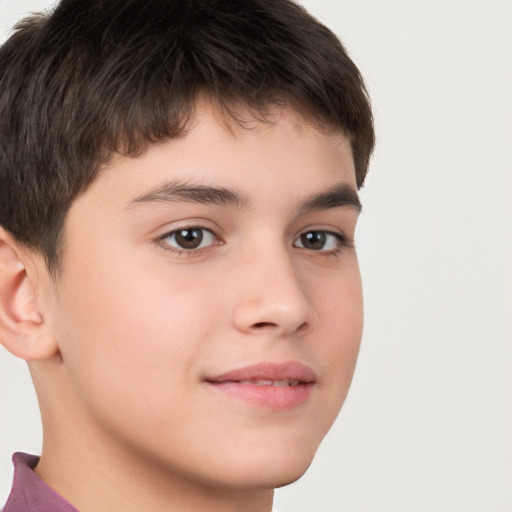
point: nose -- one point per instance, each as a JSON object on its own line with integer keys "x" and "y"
{"x": 272, "y": 296}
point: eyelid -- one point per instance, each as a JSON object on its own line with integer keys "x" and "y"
{"x": 168, "y": 228}
{"x": 343, "y": 241}
{"x": 160, "y": 240}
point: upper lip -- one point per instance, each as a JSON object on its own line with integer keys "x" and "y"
{"x": 290, "y": 370}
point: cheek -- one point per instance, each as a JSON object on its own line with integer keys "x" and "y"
{"x": 126, "y": 334}
{"x": 340, "y": 309}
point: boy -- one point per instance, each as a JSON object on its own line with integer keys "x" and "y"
{"x": 177, "y": 206}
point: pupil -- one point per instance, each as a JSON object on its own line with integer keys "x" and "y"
{"x": 313, "y": 240}
{"x": 189, "y": 238}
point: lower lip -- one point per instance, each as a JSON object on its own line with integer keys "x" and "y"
{"x": 269, "y": 397}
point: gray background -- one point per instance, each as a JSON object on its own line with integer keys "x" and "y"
{"x": 427, "y": 426}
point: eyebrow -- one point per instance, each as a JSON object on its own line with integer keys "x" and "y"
{"x": 176, "y": 191}
{"x": 341, "y": 195}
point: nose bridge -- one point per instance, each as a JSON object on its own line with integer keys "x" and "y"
{"x": 272, "y": 294}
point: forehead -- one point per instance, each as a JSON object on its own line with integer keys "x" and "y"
{"x": 281, "y": 156}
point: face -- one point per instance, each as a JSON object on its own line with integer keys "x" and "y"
{"x": 209, "y": 310}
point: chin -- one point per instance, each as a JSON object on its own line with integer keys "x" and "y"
{"x": 270, "y": 471}
{"x": 290, "y": 479}
{"x": 274, "y": 480}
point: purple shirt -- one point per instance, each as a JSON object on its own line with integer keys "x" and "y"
{"x": 29, "y": 493}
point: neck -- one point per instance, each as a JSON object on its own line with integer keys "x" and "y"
{"x": 98, "y": 479}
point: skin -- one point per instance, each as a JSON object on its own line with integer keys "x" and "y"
{"x": 122, "y": 342}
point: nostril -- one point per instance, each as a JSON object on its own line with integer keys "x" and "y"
{"x": 260, "y": 325}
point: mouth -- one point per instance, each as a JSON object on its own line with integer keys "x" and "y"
{"x": 269, "y": 385}
{"x": 278, "y": 383}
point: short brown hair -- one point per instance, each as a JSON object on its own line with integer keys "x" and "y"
{"x": 102, "y": 77}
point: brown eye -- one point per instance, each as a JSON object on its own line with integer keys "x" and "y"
{"x": 319, "y": 241}
{"x": 188, "y": 239}
{"x": 314, "y": 240}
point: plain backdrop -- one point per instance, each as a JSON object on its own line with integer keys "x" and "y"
{"x": 427, "y": 426}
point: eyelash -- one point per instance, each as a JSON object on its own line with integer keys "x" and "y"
{"x": 183, "y": 251}
{"x": 342, "y": 241}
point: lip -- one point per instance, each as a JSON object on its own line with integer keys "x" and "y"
{"x": 269, "y": 385}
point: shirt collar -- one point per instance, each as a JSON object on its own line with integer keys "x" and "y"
{"x": 29, "y": 493}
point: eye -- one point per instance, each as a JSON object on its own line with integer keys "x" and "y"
{"x": 189, "y": 239}
{"x": 320, "y": 241}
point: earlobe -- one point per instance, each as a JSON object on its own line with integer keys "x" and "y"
{"x": 22, "y": 328}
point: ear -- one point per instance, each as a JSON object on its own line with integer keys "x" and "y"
{"x": 22, "y": 328}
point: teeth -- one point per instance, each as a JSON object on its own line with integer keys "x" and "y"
{"x": 277, "y": 383}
